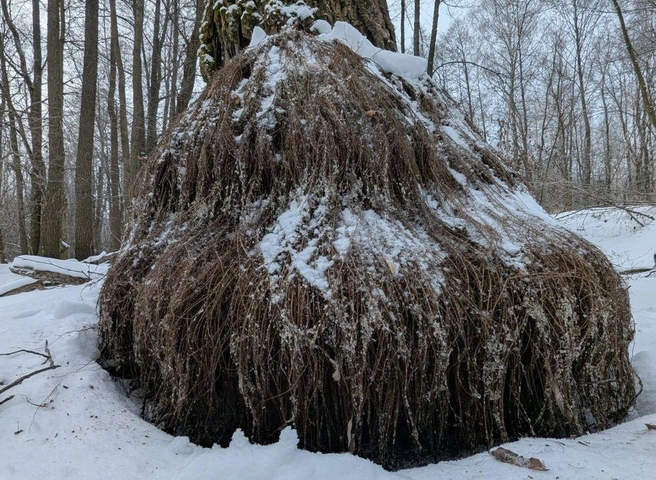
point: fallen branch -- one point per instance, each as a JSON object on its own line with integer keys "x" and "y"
{"x": 20, "y": 380}
{"x": 46, "y": 277}
{"x": 22, "y": 350}
{"x": 48, "y": 358}
{"x": 634, "y": 271}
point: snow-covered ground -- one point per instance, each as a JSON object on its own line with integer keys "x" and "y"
{"x": 76, "y": 422}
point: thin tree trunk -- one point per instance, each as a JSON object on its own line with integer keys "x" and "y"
{"x": 607, "y": 154}
{"x": 417, "y": 29}
{"x": 586, "y": 167}
{"x": 55, "y": 201}
{"x": 98, "y": 211}
{"x": 155, "y": 78}
{"x": 84, "y": 162}
{"x": 122, "y": 98}
{"x": 137, "y": 139}
{"x": 38, "y": 171}
{"x": 115, "y": 223}
{"x": 189, "y": 65}
{"x": 3, "y": 258}
{"x": 433, "y": 37}
{"x": 172, "y": 79}
{"x": 403, "y": 15}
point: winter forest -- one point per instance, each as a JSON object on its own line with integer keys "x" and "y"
{"x": 562, "y": 88}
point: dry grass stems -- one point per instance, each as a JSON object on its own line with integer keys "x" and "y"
{"x": 376, "y": 281}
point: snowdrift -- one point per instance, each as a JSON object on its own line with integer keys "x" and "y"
{"x": 325, "y": 243}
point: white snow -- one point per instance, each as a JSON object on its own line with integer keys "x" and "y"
{"x": 10, "y": 281}
{"x": 626, "y": 236}
{"x": 284, "y": 240}
{"x": 321, "y": 27}
{"x": 257, "y": 37}
{"x": 77, "y": 422}
{"x": 401, "y": 64}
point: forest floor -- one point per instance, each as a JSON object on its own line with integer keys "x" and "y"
{"x": 73, "y": 421}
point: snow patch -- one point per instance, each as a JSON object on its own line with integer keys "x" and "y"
{"x": 16, "y": 284}
{"x": 285, "y": 238}
{"x": 257, "y": 37}
{"x": 401, "y": 64}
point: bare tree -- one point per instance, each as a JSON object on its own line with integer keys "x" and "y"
{"x": 115, "y": 220}
{"x": 433, "y": 37}
{"x": 32, "y": 82}
{"x": 642, "y": 84}
{"x": 138, "y": 136}
{"x": 190, "y": 62}
{"x": 416, "y": 34}
{"x": 16, "y": 163}
{"x": 84, "y": 214}
{"x": 159, "y": 31}
{"x": 55, "y": 199}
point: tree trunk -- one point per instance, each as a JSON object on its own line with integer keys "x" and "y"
{"x": 155, "y": 77}
{"x": 137, "y": 140}
{"x": 99, "y": 204}
{"x": 417, "y": 29}
{"x": 403, "y": 15}
{"x": 38, "y": 172}
{"x": 433, "y": 37}
{"x": 586, "y": 167}
{"x": 607, "y": 153}
{"x": 115, "y": 217}
{"x": 189, "y": 66}
{"x": 224, "y": 34}
{"x": 2, "y": 155}
{"x": 55, "y": 201}
{"x": 84, "y": 160}
{"x": 122, "y": 97}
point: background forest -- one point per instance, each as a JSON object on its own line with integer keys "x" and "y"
{"x": 562, "y": 88}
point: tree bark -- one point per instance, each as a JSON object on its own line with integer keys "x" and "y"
{"x": 403, "y": 15}
{"x": 84, "y": 161}
{"x": 155, "y": 77}
{"x": 225, "y": 32}
{"x": 433, "y": 37}
{"x": 189, "y": 66}
{"x": 2, "y": 238}
{"x": 122, "y": 97}
{"x": 55, "y": 199}
{"x": 417, "y": 29}
{"x": 115, "y": 217}
{"x": 38, "y": 172}
{"x": 137, "y": 138}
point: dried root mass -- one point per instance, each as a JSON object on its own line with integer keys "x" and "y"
{"x": 381, "y": 282}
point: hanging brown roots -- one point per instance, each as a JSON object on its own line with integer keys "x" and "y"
{"x": 382, "y": 283}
